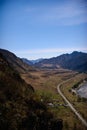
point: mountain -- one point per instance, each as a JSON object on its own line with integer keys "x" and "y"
{"x": 27, "y": 61}
{"x": 16, "y": 62}
{"x": 36, "y": 61}
{"x": 76, "y": 61}
{"x": 20, "y": 107}
{"x": 31, "y": 62}
{"x": 10, "y": 80}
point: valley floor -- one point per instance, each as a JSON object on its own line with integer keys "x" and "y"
{"x": 45, "y": 83}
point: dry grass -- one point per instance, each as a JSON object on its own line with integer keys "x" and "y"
{"x": 73, "y": 98}
{"x": 46, "y": 81}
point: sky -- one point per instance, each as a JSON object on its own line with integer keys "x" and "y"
{"x": 43, "y": 28}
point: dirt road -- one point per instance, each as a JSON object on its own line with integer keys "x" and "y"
{"x": 70, "y": 105}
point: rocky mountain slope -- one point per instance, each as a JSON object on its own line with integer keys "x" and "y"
{"x": 76, "y": 61}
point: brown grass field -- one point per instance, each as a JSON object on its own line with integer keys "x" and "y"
{"x": 45, "y": 84}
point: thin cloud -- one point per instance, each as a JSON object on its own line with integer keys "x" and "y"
{"x": 39, "y": 51}
{"x": 46, "y": 53}
{"x": 65, "y": 14}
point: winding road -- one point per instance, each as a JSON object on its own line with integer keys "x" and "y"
{"x": 70, "y": 105}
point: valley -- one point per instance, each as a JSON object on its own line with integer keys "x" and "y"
{"x": 33, "y": 93}
{"x": 43, "y": 64}
{"x": 45, "y": 82}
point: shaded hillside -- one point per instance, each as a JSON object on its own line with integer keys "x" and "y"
{"x": 16, "y": 62}
{"x": 10, "y": 80}
{"x": 75, "y": 61}
{"x": 20, "y": 108}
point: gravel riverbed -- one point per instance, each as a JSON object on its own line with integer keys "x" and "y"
{"x": 82, "y": 90}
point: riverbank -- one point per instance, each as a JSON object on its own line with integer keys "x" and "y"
{"x": 82, "y": 90}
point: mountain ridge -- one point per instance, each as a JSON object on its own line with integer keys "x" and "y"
{"x": 16, "y": 62}
{"x": 76, "y": 61}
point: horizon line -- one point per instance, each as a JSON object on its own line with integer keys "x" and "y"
{"x": 42, "y": 53}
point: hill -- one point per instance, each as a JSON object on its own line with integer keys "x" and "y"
{"x": 16, "y": 62}
{"x": 76, "y": 61}
{"x": 20, "y": 107}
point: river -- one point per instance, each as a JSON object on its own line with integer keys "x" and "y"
{"x": 82, "y": 90}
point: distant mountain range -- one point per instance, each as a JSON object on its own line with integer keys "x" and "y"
{"x": 31, "y": 62}
{"x": 76, "y": 61}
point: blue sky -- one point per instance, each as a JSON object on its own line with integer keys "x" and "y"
{"x": 43, "y": 28}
